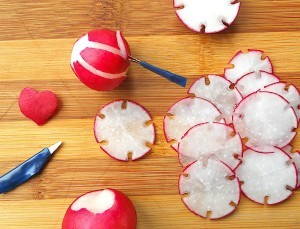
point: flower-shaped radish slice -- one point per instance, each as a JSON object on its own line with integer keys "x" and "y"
{"x": 124, "y": 128}
{"x": 295, "y": 158}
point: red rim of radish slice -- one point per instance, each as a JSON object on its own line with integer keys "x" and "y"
{"x": 250, "y": 171}
{"x": 279, "y": 108}
{"x": 295, "y": 158}
{"x": 219, "y": 22}
{"x": 211, "y": 141}
{"x": 219, "y": 91}
{"x": 255, "y": 56}
{"x": 214, "y": 175}
{"x": 197, "y": 110}
{"x": 142, "y": 121}
{"x": 253, "y": 82}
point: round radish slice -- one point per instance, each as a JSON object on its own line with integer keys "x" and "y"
{"x": 253, "y": 82}
{"x": 295, "y": 158}
{"x": 209, "y": 16}
{"x": 123, "y": 126}
{"x": 291, "y": 94}
{"x": 267, "y": 175}
{"x": 218, "y": 91}
{"x": 212, "y": 140}
{"x": 184, "y": 160}
{"x": 186, "y": 113}
{"x": 244, "y": 63}
{"x": 211, "y": 188}
{"x": 265, "y": 118}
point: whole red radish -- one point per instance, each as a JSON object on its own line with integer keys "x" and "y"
{"x": 102, "y": 209}
{"x": 100, "y": 59}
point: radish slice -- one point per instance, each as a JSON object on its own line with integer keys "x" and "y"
{"x": 184, "y": 160}
{"x": 186, "y": 113}
{"x": 211, "y": 188}
{"x": 252, "y": 82}
{"x": 214, "y": 15}
{"x": 295, "y": 158}
{"x": 122, "y": 126}
{"x": 292, "y": 94}
{"x": 219, "y": 92}
{"x": 211, "y": 140}
{"x": 267, "y": 175}
{"x": 244, "y": 63}
{"x": 265, "y": 118}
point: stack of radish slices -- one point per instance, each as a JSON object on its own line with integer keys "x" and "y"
{"x": 232, "y": 135}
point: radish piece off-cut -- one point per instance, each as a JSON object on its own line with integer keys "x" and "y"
{"x": 219, "y": 91}
{"x": 253, "y": 82}
{"x": 295, "y": 158}
{"x": 265, "y": 118}
{"x": 267, "y": 175}
{"x": 244, "y": 63}
{"x": 209, "y": 16}
{"x": 124, "y": 127}
{"x": 187, "y": 113}
{"x": 209, "y": 188}
{"x": 212, "y": 140}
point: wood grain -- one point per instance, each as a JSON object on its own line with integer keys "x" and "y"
{"x": 36, "y": 39}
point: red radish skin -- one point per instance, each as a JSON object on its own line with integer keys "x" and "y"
{"x": 103, "y": 209}
{"x": 100, "y": 59}
{"x": 37, "y": 106}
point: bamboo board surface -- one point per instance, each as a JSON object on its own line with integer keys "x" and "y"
{"x": 36, "y": 39}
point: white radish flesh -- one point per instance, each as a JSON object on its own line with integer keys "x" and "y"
{"x": 295, "y": 158}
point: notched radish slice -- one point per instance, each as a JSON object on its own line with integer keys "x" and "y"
{"x": 267, "y": 175}
{"x": 186, "y": 113}
{"x": 265, "y": 118}
{"x": 295, "y": 158}
{"x": 125, "y": 127}
{"x": 291, "y": 94}
{"x": 220, "y": 92}
{"x": 211, "y": 140}
{"x": 244, "y": 63}
{"x": 253, "y": 82}
{"x": 208, "y": 16}
{"x": 209, "y": 189}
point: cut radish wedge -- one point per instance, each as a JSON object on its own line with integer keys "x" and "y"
{"x": 212, "y": 140}
{"x": 267, "y": 177}
{"x": 209, "y": 16}
{"x": 265, "y": 118}
{"x": 186, "y": 113}
{"x": 295, "y": 158}
{"x": 253, "y": 82}
{"x": 124, "y": 129}
{"x": 291, "y": 94}
{"x": 217, "y": 90}
{"x": 244, "y": 63}
{"x": 211, "y": 188}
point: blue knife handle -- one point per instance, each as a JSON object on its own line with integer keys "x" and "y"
{"x": 24, "y": 171}
{"x": 180, "y": 80}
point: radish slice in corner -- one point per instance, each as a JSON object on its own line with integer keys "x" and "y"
{"x": 219, "y": 92}
{"x": 122, "y": 126}
{"x": 212, "y": 140}
{"x": 267, "y": 175}
{"x": 244, "y": 63}
{"x": 265, "y": 118}
{"x": 211, "y": 188}
{"x": 211, "y": 16}
{"x": 291, "y": 94}
{"x": 295, "y": 158}
{"x": 186, "y": 113}
{"x": 253, "y": 82}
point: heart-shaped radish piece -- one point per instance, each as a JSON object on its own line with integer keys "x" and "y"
{"x": 37, "y": 106}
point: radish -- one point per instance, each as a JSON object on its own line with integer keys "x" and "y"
{"x": 244, "y": 63}
{"x": 186, "y": 113}
{"x": 100, "y": 59}
{"x": 253, "y": 82}
{"x": 295, "y": 158}
{"x": 265, "y": 118}
{"x": 219, "y": 91}
{"x": 267, "y": 177}
{"x": 211, "y": 188}
{"x": 105, "y": 209}
{"x": 209, "y": 16}
{"x": 290, "y": 93}
{"x": 125, "y": 130}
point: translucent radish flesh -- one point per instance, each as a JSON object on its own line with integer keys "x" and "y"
{"x": 295, "y": 158}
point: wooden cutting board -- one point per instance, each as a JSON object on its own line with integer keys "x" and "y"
{"x": 36, "y": 39}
